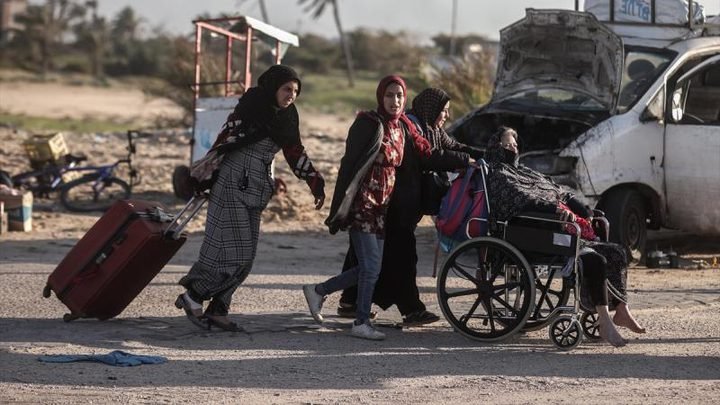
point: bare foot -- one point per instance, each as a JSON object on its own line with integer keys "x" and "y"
{"x": 611, "y": 335}
{"x": 624, "y": 318}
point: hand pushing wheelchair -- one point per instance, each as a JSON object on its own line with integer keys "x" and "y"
{"x": 519, "y": 279}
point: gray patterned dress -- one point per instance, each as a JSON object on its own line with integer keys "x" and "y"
{"x": 243, "y": 189}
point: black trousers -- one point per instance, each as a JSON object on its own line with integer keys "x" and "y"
{"x": 603, "y": 271}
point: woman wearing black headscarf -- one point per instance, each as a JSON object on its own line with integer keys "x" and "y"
{"x": 431, "y": 108}
{"x": 513, "y": 188}
{"x": 264, "y": 121}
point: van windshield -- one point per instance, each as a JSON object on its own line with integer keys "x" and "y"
{"x": 642, "y": 68}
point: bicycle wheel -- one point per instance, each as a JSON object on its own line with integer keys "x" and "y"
{"x": 92, "y": 194}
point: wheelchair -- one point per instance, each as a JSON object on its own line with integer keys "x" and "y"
{"x": 522, "y": 278}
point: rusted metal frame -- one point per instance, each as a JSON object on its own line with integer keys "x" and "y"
{"x": 228, "y": 64}
{"x": 219, "y": 19}
{"x": 198, "y": 48}
{"x": 221, "y": 31}
{"x": 248, "y": 53}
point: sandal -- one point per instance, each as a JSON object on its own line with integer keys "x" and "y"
{"x": 195, "y": 315}
{"x": 222, "y": 322}
{"x": 418, "y": 318}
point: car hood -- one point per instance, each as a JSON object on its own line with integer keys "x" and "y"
{"x": 560, "y": 49}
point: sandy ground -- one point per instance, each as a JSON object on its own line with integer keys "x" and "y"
{"x": 282, "y": 356}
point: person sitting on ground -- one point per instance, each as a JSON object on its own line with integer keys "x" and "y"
{"x": 514, "y": 188}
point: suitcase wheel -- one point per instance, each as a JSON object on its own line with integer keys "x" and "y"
{"x": 46, "y": 291}
{"x": 70, "y": 317}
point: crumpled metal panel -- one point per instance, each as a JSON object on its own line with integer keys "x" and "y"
{"x": 560, "y": 49}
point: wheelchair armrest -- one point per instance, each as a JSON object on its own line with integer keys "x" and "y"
{"x": 598, "y": 213}
{"x": 536, "y": 215}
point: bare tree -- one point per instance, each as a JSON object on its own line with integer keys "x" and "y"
{"x": 317, "y": 8}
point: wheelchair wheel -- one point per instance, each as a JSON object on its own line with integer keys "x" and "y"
{"x": 551, "y": 292}
{"x": 486, "y": 289}
{"x": 590, "y": 325}
{"x": 566, "y": 333}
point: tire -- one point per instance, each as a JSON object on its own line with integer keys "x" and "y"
{"x": 627, "y": 213}
{"x": 181, "y": 186}
{"x": 486, "y": 289}
{"x": 6, "y": 179}
{"x": 79, "y": 195}
{"x": 566, "y": 333}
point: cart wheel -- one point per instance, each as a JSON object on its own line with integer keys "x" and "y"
{"x": 566, "y": 333}
{"x": 181, "y": 183}
{"x": 590, "y": 325}
{"x": 70, "y": 317}
{"x": 46, "y": 291}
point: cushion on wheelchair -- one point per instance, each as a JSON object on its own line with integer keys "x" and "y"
{"x": 536, "y": 232}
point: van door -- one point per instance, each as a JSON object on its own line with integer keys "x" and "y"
{"x": 692, "y": 149}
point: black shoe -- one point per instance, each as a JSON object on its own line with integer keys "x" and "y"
{"x": 348, "y": 311}
{"x": 418, "y": 318}
{"x": 194, "y": 315}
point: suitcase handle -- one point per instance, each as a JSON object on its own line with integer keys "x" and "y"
{"x": 178, "y": 223}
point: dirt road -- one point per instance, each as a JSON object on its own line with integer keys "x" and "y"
{"x": 282, "y": 356}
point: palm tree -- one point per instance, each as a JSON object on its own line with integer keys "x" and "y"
{"x": 45, "y": 25}
{"x": 317, "y": 8}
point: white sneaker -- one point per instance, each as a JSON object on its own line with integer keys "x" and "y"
{"x": 314, "y": 301}
{"x": 366, "y": 331}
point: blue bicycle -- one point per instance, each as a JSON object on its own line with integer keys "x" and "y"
{"x": 96, "y": 189}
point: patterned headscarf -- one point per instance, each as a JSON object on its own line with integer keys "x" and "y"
{"x": 426, "y": 107}
{"x": 513, "y": 187}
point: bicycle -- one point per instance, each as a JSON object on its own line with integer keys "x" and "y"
{"x": 96, "y": 190}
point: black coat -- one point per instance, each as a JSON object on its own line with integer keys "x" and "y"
{"x": 396, "y": 284}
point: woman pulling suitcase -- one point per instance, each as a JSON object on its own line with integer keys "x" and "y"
{"x": 264, "y": 121}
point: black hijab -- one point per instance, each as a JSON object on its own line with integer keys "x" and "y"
{"x": 426, "y": 107}
{"x": 257, "y": 115}
{"x": 512, "y": 187}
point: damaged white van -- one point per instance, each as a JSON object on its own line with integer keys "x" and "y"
{"x": 631, "y": 122}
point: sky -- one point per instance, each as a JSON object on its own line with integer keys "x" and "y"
{"x": 423, "y": 18}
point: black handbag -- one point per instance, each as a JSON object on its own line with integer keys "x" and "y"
{"x": 433, "y": 187}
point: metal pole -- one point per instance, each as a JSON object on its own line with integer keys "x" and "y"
{"x": 248, "y": 51}
{"x": 228, "y": 65}
{"x": 198, "y": 47}
{"x": 453, "y": 24}
{"x": 277, "y": 52}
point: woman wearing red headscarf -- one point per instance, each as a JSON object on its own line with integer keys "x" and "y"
{"x": 373, "y": 150}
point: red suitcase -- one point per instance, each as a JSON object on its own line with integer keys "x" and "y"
{"x": 118, "y": 257}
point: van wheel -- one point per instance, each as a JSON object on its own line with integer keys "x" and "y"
{"x": 626, "y": 211}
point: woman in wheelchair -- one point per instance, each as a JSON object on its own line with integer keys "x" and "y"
{"x": 514, "y": 188}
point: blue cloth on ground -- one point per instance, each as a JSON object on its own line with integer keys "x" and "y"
{"x": 114, "y": 358}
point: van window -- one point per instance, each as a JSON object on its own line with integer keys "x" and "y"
{"x": 702, "y": 105}
{"x": 642, "y": 68}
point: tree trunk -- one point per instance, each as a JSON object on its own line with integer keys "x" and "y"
{"x": 345, "y": 46}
